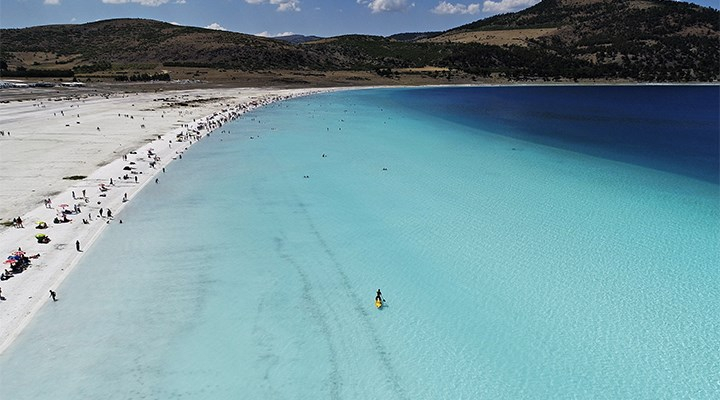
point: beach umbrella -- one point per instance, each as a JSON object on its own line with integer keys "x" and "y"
{"x": 63, "y": 206}
{"x": 40, "y": 222}
{"x": 18, "y": 253}
{"x": 9, "y": 261}
{"x": 40, "y": 235}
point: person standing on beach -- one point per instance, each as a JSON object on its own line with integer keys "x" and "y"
{"x": 101, "y": 212}
{"x": 77, "y": 245}
{"x": 52, "y": 295}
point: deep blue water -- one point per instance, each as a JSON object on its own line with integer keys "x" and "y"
{"x": 669, "y": 128}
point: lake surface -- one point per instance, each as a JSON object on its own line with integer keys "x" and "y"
{"x": 530, "y": 242}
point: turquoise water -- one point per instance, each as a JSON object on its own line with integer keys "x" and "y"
{"x": 513, "y": 267}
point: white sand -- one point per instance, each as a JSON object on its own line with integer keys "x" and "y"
{"x": 52, "y": 139}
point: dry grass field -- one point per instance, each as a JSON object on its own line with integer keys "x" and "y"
{"x": 508, "y": 37}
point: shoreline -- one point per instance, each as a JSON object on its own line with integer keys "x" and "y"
{"x": 108, "y": 187}
{"x": 28, "y": 291}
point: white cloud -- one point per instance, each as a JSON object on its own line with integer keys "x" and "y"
{"x": 444, "y": 8}
{"x": 378, "y": 6}
{"x": 269, "y": 35}
{"x": 282, "y": 5}
{"x": 287, "y": 5}
{"x": 215, "y": 26}
{"x": 51, "y": 2}
{"x": 503, "y": 6}
{"x": 151, "y": 3}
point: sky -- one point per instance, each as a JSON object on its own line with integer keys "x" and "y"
{"x": 272, "y": 17}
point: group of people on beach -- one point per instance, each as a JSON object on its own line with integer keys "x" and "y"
{"x": 19, "y": 261}
{"x": 84, "y": 197}
{"x": 18, "y": 222}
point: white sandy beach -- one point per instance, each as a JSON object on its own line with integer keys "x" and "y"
{"x": 50, "y": 139}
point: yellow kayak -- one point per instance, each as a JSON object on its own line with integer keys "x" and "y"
{"x": 378, "y": 303}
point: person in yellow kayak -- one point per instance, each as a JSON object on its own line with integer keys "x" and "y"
{"x": 378, "y": 296}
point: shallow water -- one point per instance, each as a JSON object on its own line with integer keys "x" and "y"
{"x": 515, "y": 263}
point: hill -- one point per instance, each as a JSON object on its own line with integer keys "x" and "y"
{"x": 648, "y": 40}
{"x": 129, "y": 41}
{"x": 641, "y": 40}
{"x": 297, "y": 39}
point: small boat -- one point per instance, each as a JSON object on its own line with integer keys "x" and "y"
{"x": 378, "y": 303}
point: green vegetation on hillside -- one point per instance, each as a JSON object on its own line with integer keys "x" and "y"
{"x": 371, "y": 52}
{"x": 657, "y": 40}
{"x": 643, "y": 40}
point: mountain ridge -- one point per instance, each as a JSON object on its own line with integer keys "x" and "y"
{"x": 641, "y": 40}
